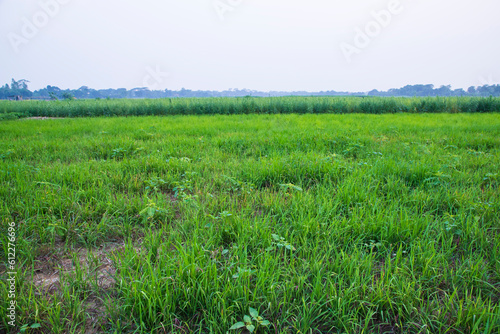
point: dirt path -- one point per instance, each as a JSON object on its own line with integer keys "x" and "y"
{"x": 43, "y": 118}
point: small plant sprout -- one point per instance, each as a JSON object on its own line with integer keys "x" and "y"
{"x": 220, "y": 217}
{"x": 239, "y": 186}
{"x": 185, "y": 187}
{"x": 139, "y": 149}
{"x": 379, "y": 154}
{"x": 437, "y": 179}
{"x": 244, "y": 273}
{"x": 155, "y": 184}
{"x": 151, "y": 211}
{"x": 24, "y": 328}
{"x": 57, "y": 229}
{"x": 280, "y": 242}
{"x": 290, "y": 186}
{"x": 224, "y": 214}
{"x": 252, "y": 322}
{"x": 490, "y": 179}
{"x": 118, "y": 153}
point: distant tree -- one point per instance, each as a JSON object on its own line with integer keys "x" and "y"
{"x": 444, "y": 90}
{"x": 4, "y": 92}
{"x": 19, "y": 88}
{"x": 489, "y": 90}
{"x": 140, "y": 92}
{"x": 82, "y": 92}
{"x": 459, "y": 92}
{"x": 121, "y": 93}
{"x": 23, "y": 84}
{"x": 53, "y": 89}
{"x": 496, "y": 90}
{"x": 68, "y": 96}
{"x": 185, "y": 92}
{"x": 14, "y": 84}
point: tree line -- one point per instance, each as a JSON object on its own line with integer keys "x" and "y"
{"x": 19, "y": 90}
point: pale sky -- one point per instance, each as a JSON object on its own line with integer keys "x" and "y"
{"x": 263, "y": 45}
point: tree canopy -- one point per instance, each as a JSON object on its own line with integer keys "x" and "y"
{"x": 20, "y": 88}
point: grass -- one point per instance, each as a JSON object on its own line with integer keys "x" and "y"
{"x": 193, "y": 224}
{"x": 248, "y": 105}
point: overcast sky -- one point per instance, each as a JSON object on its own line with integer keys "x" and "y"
{"x": 342, "y": 45}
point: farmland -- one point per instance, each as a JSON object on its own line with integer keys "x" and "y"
{"x": 246, "y": 105}
{"x": 323, "y": 222}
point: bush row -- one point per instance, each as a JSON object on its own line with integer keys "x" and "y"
{"x": 248, "y": 105}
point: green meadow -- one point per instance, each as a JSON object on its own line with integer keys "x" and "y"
{"x": 293, "y": 223}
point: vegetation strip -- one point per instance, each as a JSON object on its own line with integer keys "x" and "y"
{"x": 247, "y": 105}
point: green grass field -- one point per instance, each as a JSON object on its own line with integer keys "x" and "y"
{"x": 192, "y": 224}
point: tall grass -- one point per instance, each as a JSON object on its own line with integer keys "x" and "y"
{"x": 321, "y": 223}
{"x": 229, "y": 106}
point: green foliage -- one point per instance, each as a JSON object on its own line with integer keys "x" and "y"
{"x": 25, "y": 328}
{"x": 324, "y": 223}
{"x": 290, "y": 186}
{"x": 11, "y": 116}
{"x": 155, "y": 184}
{"x": 239, "y": 186}
{"x": 118, "y": 153}
{"x": 230, "y": 106}
{"x": 252, "y": 322}
{"x": 281, "y": 242}
{"x": 68, "y": 96}
{"x": 6, "y": 155}
{"x": 152, "y": 212}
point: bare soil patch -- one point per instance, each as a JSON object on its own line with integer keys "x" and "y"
{"x": 43, "y": 118}
{"x": 49, "y": 268}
